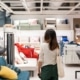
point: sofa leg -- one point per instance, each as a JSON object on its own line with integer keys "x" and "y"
{"x": 76, "y": 74}
{"x": 31, "y": 73}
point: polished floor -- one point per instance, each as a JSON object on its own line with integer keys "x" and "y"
{"x": 69, "y": 73}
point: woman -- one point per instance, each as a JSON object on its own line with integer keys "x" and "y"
{"x": 47, "y": 67}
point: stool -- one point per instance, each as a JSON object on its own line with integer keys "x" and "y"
{"x": 76, "y": 74}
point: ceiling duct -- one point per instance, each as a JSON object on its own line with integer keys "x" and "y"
{"x": 46, "y": 4}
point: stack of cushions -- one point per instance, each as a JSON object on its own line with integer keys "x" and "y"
{"x": 28, "y": 52}
{"x": 7, "y": 73}
{"x": 18, "y": 59}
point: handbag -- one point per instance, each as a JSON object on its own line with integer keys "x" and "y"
{"x": 60, "y": 66}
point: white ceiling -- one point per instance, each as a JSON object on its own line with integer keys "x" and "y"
{"x": 64, "y": 7}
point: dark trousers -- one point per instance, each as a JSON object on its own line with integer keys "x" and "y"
{"x": 49, "y": 72}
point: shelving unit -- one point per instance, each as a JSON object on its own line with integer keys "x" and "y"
{"x": 50, "y": 23}
{"x": 57, "y": 24}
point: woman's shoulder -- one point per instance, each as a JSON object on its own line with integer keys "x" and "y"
{"x": 57, "y": 49}
{"x": 44, "y": 44}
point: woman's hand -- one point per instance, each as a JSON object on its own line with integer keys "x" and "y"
{"x": 39, "y": 75}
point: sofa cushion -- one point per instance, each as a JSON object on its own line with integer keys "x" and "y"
{"x": 2, "y": 61}
{"x": 7, "y": 73}
{"x": 24, "y": 75}
{"x": 16, "y": 69}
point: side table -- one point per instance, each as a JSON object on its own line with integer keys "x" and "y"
{"x": 76, "y": 74}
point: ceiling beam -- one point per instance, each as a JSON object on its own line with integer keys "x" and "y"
{"x": 51, "y": 7}
{"x": 73, "y": 8}
{"x": 68, "y": 1}
{"x": 44, "y": 12}
{"x": 41, "y": 5}
{"x": 25, "y": 5}
{"x": 4, "y": 6}
{"x": 58, "y": 7}
{"x": 8, "y": 1}
{"x": 72, "y": 1}
{"x": 17, "y": 7}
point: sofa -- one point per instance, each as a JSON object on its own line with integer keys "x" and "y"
{"x": 23, "y": 75}
{"x": 71, "y": 54}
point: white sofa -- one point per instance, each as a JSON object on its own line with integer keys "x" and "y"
{"x": 71, "y": 54}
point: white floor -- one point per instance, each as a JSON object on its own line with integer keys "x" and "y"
{"x": 69, "y": 73}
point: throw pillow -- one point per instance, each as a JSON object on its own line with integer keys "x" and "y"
{"x": 24, "y": 58}
{"x": 18, "y": 59}
{"x": 19, "y": 46}
{"x": 16, "y": 69}
{"x": 27, "y": 52}
{"x": 7, "y": 73}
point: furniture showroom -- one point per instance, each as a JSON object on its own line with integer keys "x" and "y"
{"x": 22, "y": 27}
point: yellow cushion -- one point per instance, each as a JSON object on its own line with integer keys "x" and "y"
{"x": 6, "y": 72}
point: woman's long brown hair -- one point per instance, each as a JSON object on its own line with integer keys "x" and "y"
{"x": 50, "y": 35}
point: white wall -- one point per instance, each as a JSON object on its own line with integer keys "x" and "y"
{"x": 24, "y": 35}
{"x": 40, "y": 33}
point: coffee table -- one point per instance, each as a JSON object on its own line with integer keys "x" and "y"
{"x": 31, "y": 66}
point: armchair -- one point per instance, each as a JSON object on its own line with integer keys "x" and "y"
{"x": 23, "y": 75}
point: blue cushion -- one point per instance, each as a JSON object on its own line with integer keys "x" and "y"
{"x": 64, "y": 38}
{"x": 24, "y": 75}
{"x": 14, "y": 68}
{"x": 2, "y": 61}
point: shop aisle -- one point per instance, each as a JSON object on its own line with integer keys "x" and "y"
{"x": 69, "y": 73}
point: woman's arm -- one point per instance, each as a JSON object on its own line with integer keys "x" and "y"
{"x": 39, "y": 67}
{"x": 41, "y": 59}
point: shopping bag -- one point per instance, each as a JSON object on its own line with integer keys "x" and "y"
{"x": 60, "y": 66}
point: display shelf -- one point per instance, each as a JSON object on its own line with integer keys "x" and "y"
{"x": 57, "y": 23}
{"x": 63, "y": 27}
{"x": 50, "y": 23}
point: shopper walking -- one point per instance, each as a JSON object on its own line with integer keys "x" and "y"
{"x": 47, "y": 65}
